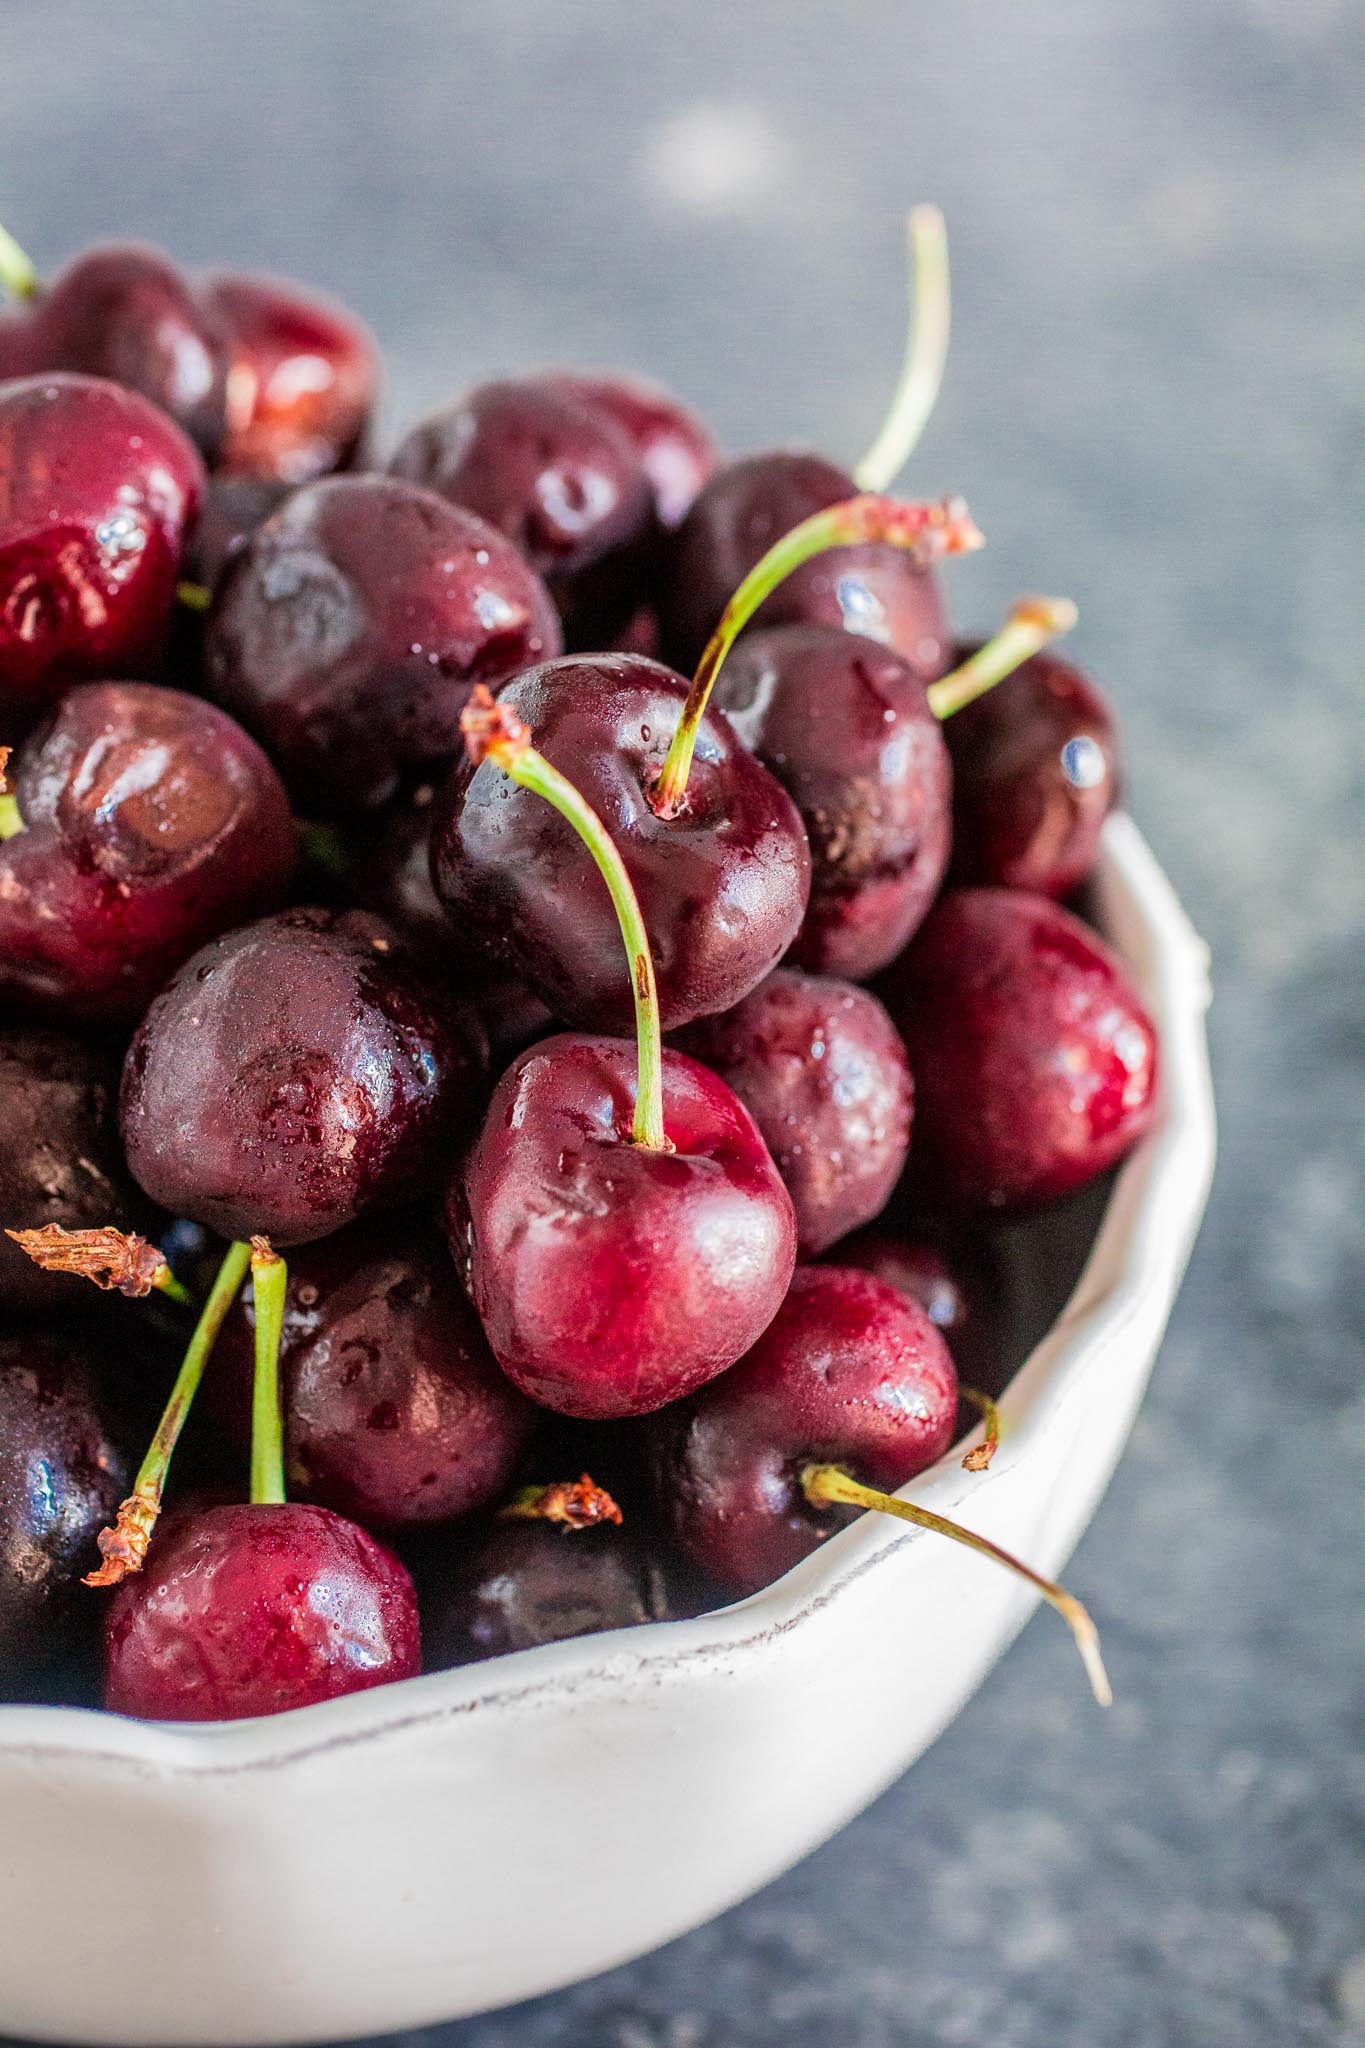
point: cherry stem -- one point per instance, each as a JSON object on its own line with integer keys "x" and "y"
{"x": 10, "y": 821}
{"x": 926, "y": 353}
{"x": 493, "y": 732}
{"x": 980, "y": 1455}
{"x": 124, "y": 1547}
{"x": 573, "y": 1503}
{"x": 926, "y": 531}
{"x": 196, "y": 597}
{"x": 111, "y": 1258}
{"x": 828, "y": 1485}
{"x": 269, "y": 1282}
{"x": 1029, "y": 625}
{"x": 17, "y": 272}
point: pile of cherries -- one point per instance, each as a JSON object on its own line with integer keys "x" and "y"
{"x": 482, "y": 941}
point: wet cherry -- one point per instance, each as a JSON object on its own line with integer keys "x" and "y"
{"x": 677, "y": 449}
{"x": 302, "y": 375}
{"x": 231, "y": 510}
{"x": 821, "y": 1069}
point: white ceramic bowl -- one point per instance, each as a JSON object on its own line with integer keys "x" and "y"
{"x": 437, "y": 1848}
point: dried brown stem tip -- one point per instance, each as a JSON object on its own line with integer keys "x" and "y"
{"x": 111, "y": 1258}
{"x": 979, "y": 1457}
{"x": 263, "y": 1253}
{"x": 928, "y": 531}
{"x": 4, "y": 764}
{"x": 124, "y": 1547}
{"x": 492, "y": 730}
{"x": 574, "y": 1503}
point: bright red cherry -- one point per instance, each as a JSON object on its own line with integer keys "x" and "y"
{"x": 293, "y": 1074}
{"x": 97, "y": 492}
{"x": 677, "y": 449}
{"x": 150, "y": 821}
{"x": 254, "y": 1608}
{"x": 847, "y": 729}
{"x": 1035, "y": 775}
{"x": 821, "y": 1069}
{"x": 722, "y": 885}
{"x": 1034, "y": 1059}
{"x": 302, "y": 377}
{"x": 348, "y": 630}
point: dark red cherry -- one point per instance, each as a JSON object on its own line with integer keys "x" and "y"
{"x": 820, "y": 1068}
{"x": 232, "y": 509}
{"x": 874, "y": 588}
{"x": 293, "y": 1074}
{"x": 151, "y": 822}
{"x": 1035, "y": 1062}
{"x": 513, "y": 1585}
{"x": 63, "y": 1471}
{"x": 612, "y": 1277}
{"x": 97, "y": 491}
{"x": 395, "y": 1409}
{"x": 846, "y": 728}
{"x": 302, "y": 377}
{"x": 349, "y": 629}
{"x": 1035, "y": 775}
{"x": 60, "y": 1157}
{"x": 560, "y": 478}
{"x": 253, "y": 1609}
{"x": 677, "y": 449}
{"x": 19, "y": 354}
{"x": 127, "y": 313}
{"x": 849, "y": 1372}
{"x": 959, "y": 1283}
{"x": 722, "y": 886}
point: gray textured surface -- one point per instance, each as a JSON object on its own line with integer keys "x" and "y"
{"x": 1156, "y": 403}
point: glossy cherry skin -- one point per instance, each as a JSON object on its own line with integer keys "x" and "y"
{"x": 561, "y": 478}
{"x": 609, "y": 1277}
{"x": 151, "y": 822}
{"x": 349, "y": 629}
{"x": 850, "y": 1372}
{"x": 722, "y": 886}
{"x": 873, "y": 588}
{"x": 395, "y": 1410}
{"x": 956, "y": 1281}
{"x": 513, "y": 1585}
{"x": 294, "y": 1074}
{"x": 1035, "y": 775}
{"x": 60, "y": 1156}
{"x": 677, "y": 449}
{"x": 63, "y": 1471}
{"x": 230, "y": 512}
{"x": 248, "y": 1610}
{"x": 97, "y": 492}
{"x": 127, "y": 313}
{"x": 846, "y": 728}
{"x": 302, "y": 377}
{"x": 821, "y": 1069}
{"x": 1035, "y": 1062}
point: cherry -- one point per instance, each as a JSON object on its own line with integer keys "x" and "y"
{"x": 849, "y": 1370}
{"x": 233, "y": 507}
{"x": 18, "y": 346}
{"x": 125, "y": 312}
{"x": 561, "y": 478}
{"x": 348, "y": 630}
{"x": 97, "y": 491}
{"x": 395, "y": 1410}
{"x": 820, "y": 1068}
{"x": 847, "y": 729}
{"x": 515, "y": 1584}
{"x": 292, "y": 1074}
{"x": 253, "y": 1608}
{"x": 302, "y": 376}
{"x": 149, "y": 821}
{"x": 63, "y": 1466}
{"x": 722, "y": 884}
{"x": 60, "y": 1158}
{"x": 676, "y": 448}
{"x": 1035, "y": 1062}
{"x": 958, "y": 1282}
{"x": 1035, "y": 774}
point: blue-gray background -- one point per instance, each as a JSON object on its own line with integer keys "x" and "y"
{"x": 1156, "y": 403}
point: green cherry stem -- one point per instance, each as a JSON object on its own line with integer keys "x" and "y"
{"x": 269, "y": 1281}
{"x": 826, "y": 1485}
{"x": 925, "y": 531}
{"x": 926, "y": 352}
{"x": 196, "y": 597}
{"x": 493, "y": 732}
{"x": 124, "y": 1547}
{"x": 1031, "y": 623}
{"x": 10, "y": 820}
{"x": 17, "y": 273}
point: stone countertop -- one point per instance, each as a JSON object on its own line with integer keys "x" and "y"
{"x": 1155, "y": 403}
